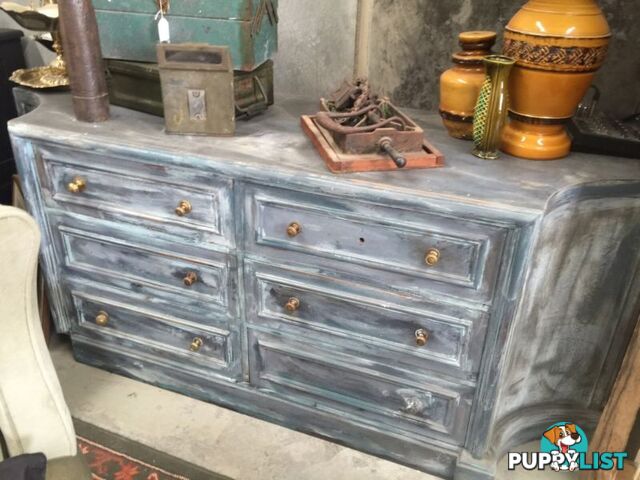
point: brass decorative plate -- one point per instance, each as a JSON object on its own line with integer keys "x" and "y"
{"x": 41, "y": 77}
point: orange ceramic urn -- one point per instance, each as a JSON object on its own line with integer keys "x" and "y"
{"x": 460, "y": 85}
{"x": 558, "y": 46}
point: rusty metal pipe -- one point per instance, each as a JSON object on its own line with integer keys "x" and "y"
{"x": 81, "y": 44}
{"x": 356, "y": 113}
{"x": 364, "y": 21}
{"x": 327, "y": 121}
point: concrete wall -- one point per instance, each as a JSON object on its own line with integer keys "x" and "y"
{"x": 411, "y": 44}
{"x": 316, "y": 41}
{"x": 620, "y": 77}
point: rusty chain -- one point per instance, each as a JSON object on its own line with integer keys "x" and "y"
{"x": 163, "y": 6}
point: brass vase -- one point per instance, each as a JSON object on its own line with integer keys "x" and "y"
{"x": 493, "y": 104}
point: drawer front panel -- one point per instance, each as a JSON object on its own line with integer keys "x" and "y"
{"x": 139, "y": 194}
{"x": 186, "y": 279}
{"x": 303, "y": 373}
{"x": 425, "y": 248}
{"x": 285, "y": 296}
{"x": 433, "y": 457}
{"x": 165, "y": 336}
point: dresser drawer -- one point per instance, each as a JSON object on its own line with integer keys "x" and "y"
{"x": 418, "y": 341}
{"x": 329, "y": 381}
{"x": 428, "y": 251}
{"x": 176, "y": 201}
{"x": 167, "y": 337}
{"x": 132, "y": 266}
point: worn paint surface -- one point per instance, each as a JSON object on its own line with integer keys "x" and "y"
{"x": 345, "y": 310}
{"x": 302, "y": 372}
{"x": 469, "y": 251}
{"x": 526, "y": 248}
{"x": 586, "y": 266}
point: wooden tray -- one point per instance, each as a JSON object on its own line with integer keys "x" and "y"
{"x": 339, "y": 162}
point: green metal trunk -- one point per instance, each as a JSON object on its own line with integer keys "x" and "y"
{"x": 136, "y": 85}
{"x": 128, "y": 29}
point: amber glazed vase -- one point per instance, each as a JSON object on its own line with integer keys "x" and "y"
{"x": 558, "y": 46}
{"x": 460, "y": 85}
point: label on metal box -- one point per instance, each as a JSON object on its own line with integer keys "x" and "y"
{"x": 197, "y": 104}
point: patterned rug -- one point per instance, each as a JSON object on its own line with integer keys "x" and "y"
{"x": 112, "y": 457}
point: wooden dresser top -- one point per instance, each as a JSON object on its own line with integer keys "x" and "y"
{"x": 272, "y": 148}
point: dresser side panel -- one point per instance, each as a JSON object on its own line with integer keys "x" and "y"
{"x": 50, "y": 260}
{"x": 578, "y": 306}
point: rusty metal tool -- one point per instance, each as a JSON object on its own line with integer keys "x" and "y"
{"x": 357, "y": 130}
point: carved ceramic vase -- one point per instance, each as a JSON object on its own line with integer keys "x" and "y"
{"x": 460, "y": 85}
{"x": 558, "y": 46}
{"x": 490, "y": 115}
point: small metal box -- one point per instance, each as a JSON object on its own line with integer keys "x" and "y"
{"x": 197, "y": 89}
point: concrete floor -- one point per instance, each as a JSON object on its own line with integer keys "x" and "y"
{"x": 217, "y": 439}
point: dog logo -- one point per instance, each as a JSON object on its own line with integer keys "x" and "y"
{"x": 567, "y": 440}
{"x": 564, "y": 448}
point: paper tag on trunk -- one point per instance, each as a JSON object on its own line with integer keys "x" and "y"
{"x": 164, "y": 34}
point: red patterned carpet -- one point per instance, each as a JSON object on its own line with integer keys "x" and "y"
{"x": 107, "y": 464}
{"x": 110, "y": 456}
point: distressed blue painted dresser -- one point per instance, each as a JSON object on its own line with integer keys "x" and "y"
{"x": 436, "y": 317}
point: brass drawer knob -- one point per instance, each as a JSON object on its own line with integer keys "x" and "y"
{"x": 77, "y": 185}
{"x": 183, "y": 208}
{"x": 196, "y": 344}
{"x": 190, "y": 278}
{"x": 292, "y": 305}
{"x": 294, "y": 229}
{"x": 432, "y": 257}
{"x": 422, "y": 337}
{"x": 102, "y": 318}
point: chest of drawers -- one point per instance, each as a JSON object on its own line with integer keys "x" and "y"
{"x": 435, "y": 318}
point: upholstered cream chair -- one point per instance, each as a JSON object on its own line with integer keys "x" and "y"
{"x": 33, "y": 414}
